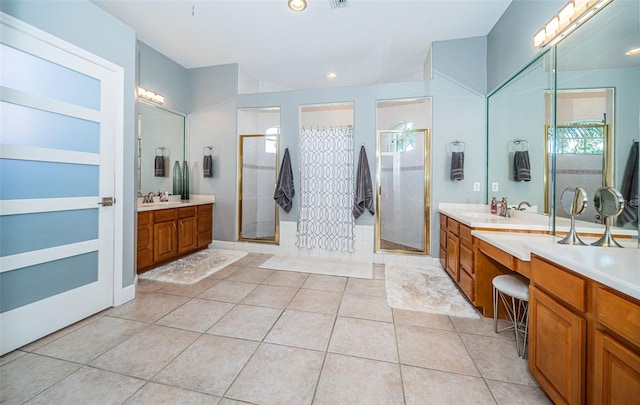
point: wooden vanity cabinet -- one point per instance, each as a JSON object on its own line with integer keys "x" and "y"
{"x": 616, "y": 349}
{"x": 205, "y": 225}
{"x": 168, "y": 233}
{"x": 457, "y": 251}
{"x": 187, "y": 229}
{"x": 145, "y": 239}
{"x": 443, "y": 241}
{"x": 165, "y": 235}
{"x": 584, "y": 338}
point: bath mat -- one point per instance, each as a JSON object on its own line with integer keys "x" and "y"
{"x": 426, "y": 289}
{"x": 320, "y": 266}
{"x": 194, "y": 267}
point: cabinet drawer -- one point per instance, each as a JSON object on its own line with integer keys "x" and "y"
{"x": 453, "y": 226}
{"x": 465, "y": 234}
{"x": 559, "y": 282}
{"x": 205, "y": 209}
{"x": 186, "y": 212}
{"x": 466, "y": 259}
{"x": 619, "y": 314}
{"x": 443, "y": 220}
{"x": 466, "y": 284}
{"x": 165, "y": 215}
{"x": 205, "y": 238}
{"x": 144, "y": 218}
{"x": 496, "y": 254}
{"x": 204, "y": 224}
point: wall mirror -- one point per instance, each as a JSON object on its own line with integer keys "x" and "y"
{"x": 593, "y": 58}
{"x": 516, "y": 117}
{"x": 591, "y": 61}
{"x": 161, "y": 133}
{"x": 258, "y": 165}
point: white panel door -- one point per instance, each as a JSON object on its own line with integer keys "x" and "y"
{"x": 59, "y": 119}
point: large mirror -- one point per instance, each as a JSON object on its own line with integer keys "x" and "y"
{"x": 161, "y": 139}
{"x": 516, "y": 117}
{"x": 591, "y": 63}
{"x": 257, "y": 174}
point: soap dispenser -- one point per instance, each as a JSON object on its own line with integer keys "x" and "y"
{"x": 494, "y": 205}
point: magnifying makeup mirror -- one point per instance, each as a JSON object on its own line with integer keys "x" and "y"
{"x": 609, "y": 203}
{"x": 574, "y": 203}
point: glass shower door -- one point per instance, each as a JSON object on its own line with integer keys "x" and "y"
{"x": 402, "y": 219}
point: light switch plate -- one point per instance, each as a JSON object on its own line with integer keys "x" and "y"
{"x": 494, "y": 187}
{"x": 476, "y": 186}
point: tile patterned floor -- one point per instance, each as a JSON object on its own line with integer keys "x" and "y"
{"x": 250, "y": 335}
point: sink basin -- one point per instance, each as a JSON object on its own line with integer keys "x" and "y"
{"x": 479, "y": 215}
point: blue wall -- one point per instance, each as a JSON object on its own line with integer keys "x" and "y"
{"x": 91, "y": 28}
{"x": 510, "y": 42}
{"x": 160, "y": 74}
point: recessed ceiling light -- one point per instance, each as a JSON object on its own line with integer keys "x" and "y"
{"x": 331, "y": 75}
{"x": 635, "y": 51}
{"x": 297, "y": 5}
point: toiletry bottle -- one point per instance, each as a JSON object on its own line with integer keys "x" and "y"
{"x": 494, "y": 205}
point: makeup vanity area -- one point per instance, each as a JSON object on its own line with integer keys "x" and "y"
{"x": 584, "y": 301}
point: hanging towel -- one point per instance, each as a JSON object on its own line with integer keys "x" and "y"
{"x": 207, "y": 166}
{"x": 363, "y": 196}
{"x": 457, "y": 166}
{"x": 284, "y": 188}
{"x": 521, "y": 166}
{"x": 159, "y": 166}
{"x": 629, "y": 189}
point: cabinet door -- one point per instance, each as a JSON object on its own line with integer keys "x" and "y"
{"x": 453, "y": 255}
{"x": 165, "y": 241}
{"x": 557, "y": 348}
{"x": 187, "y": 234}
{"x": 616, "y": 372}
{"x": 443, "y": 246}
{"x": 145, "y": 240}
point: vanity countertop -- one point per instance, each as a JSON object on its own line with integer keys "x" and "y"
{"x": 176, "y": 202}
{"x": 613, "y": 267}
{"x": 479, "y": 216}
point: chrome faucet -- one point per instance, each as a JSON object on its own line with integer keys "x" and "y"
{"x": 148, "y": 198}
{"x": 523, "y": 203}
{"x": 504, "y": 208}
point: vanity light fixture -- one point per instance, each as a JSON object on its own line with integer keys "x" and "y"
{"x": 331, "y": 75}
{"x": 297, "y": 5}
{"x": 150, "y": 95}
{"x": 570, "y": 17}
{"x": 635, "y": 51}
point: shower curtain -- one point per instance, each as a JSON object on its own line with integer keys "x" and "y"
{"x": 325, "y": 219}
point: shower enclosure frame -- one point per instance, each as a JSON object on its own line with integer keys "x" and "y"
{"x": 426, "y": 197}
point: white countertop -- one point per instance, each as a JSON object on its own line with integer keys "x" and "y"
{"x": 479, "y": 216}
{"x": 613, "y": 267}
{"x": 175, "y": 202}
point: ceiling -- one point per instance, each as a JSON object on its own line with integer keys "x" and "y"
{"x": 367, "y": 42}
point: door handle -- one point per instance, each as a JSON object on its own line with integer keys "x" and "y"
{"x": 107, "y": 201}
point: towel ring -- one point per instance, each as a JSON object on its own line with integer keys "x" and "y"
{"x": 522, "y": 143}
{"x": 204, "y": 150}
{"x": 458, "y": 145}
{"x": 161, "y": 149}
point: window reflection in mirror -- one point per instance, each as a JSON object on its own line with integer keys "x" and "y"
{"x": 161, "y": 132}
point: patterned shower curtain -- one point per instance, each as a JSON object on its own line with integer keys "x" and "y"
{"x": 325, "y": 218}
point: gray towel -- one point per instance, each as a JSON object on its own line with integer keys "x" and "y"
{"x": 363, "y": 198}
{"x": 159, "y": 166}
{"x": 629, "y": 189}
{"x": 521, "y": 166}
{"x": 284, "y": 188}
{"x": 207, "y": 166}
{"x": 457, "y": 166}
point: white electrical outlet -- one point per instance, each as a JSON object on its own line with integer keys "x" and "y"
{"x": 476, "y": 186}
{"x": 494, "y": 186}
